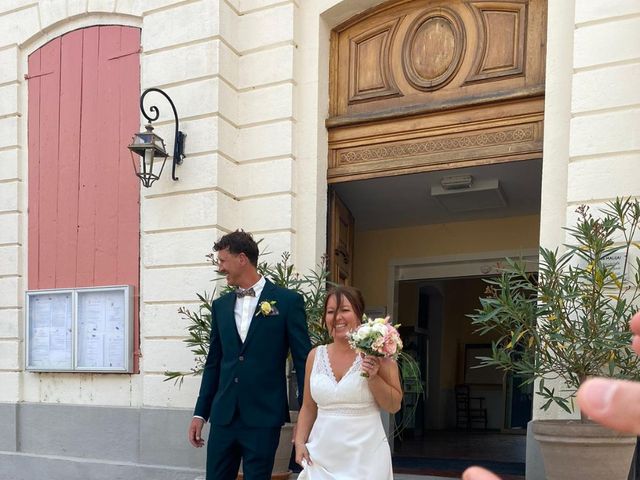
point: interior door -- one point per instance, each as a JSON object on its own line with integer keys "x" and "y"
{"x": 341, "y": 229}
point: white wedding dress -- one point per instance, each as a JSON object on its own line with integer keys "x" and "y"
{"x": 347, "y": 441}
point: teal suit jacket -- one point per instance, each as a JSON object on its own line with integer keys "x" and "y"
{"x": 250, "y": 377}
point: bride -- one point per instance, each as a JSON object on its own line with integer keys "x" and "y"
{"x": 339, "y": 435}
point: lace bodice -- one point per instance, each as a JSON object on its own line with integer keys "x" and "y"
{"x": 349, "y": 396}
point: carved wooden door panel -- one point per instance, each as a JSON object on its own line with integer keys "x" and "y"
{"x": 430, "y": 84}
{"x": 342, "y": 226}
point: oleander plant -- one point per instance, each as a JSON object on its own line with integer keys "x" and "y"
{"x": 569, "y": 320}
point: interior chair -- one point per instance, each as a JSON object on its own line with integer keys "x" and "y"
{"x": 470, "y": 411}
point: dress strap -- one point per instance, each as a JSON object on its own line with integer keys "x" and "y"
{"x": 322, "y": 364}
{"x": 318, "y": 360}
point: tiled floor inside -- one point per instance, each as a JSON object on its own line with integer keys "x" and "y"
{"x": 445, "y": 454}
{"x": 474, "y": 445}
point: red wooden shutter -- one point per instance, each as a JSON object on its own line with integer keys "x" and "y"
{"x": 84, "y": 215}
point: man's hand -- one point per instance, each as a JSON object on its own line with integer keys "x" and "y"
{"x": 195, "y": 432}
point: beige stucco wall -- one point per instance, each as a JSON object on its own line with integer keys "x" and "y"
{"x": 229, "y": 67}
{"x": 461, "y": 298}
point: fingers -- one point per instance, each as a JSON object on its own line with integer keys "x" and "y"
{"x": 477, "y": 473}
{"x": 634, "y": 325}
{"x": 302, "y": 456}
{"x": 613, "y": 403}
{"x": 635, "y": 344}
{"x": 371, "y": 364}
{"x": 195, "y": 433}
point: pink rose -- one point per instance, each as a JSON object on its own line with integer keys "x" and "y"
{"x": 390, "y": 347}
{"x": 378, "y": 345}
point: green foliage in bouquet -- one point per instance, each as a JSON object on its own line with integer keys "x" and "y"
{"x": 571, "y": 320}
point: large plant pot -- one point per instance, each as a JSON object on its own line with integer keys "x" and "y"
{"x": 573, "y": 450}
{"x": 283, "y": 453}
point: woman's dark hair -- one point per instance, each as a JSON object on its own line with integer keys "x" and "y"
{"x": 342, "y": 292}
{"x": 239, "y": 242}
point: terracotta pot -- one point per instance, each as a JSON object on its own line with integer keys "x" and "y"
{"x": 573, "y": 450}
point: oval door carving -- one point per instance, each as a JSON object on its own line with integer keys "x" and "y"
{"x": 433, "y": 49}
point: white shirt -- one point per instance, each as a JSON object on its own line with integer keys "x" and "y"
{"x": 245, "y": 309}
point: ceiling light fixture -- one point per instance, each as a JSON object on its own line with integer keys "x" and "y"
{"x": 456, "y": 182}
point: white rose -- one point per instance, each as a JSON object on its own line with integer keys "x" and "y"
{"x": 364, "y": 331}
{"x": 380, "y": 328}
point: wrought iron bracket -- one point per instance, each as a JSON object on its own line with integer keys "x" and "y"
{"x": 178, "y": 144}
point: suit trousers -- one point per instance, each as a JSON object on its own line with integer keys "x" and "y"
{"x": 228, "y": 444}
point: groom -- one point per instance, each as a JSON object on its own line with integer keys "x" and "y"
{"x": 243, "y": 391}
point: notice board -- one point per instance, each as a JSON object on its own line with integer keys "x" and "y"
{"x": 83, "y": 329}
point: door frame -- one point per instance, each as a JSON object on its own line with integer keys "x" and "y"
{"x": 450, "y": 266}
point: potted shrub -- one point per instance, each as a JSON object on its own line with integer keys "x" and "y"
{"x": 567, "y": 323}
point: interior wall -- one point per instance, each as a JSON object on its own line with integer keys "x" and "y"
{"x": 376, "y": 249}
{"x": 461, "y": 299}
{"x": 450, "y": 330}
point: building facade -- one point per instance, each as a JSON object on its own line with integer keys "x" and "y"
{"x": 253, "y": 87}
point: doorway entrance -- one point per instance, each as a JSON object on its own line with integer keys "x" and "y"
{"x": 424, "y": 261}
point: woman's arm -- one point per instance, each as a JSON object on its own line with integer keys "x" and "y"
{"x": 307, "y": 415}
{"x": 384, "y": 382}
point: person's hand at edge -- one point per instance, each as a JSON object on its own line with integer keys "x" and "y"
{"x": 195, "y": 432}
{"x": 478, "y": 473}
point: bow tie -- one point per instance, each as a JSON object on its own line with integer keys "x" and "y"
{"x": 249, "y": 292}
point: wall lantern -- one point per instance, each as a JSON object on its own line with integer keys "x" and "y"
{"x": 150, "y": 146}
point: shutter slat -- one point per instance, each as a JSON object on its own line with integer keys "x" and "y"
{"x": 89, "y": 172}
{"x": 69, "y": 159}
{"x": 108, "y": 156}
{"x": 34, "y": 171}
{"x": 49, "y": 151}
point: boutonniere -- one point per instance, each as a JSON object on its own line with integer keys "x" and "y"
{"x": 267, "y": 308}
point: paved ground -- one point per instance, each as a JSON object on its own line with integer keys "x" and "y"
{"x": 402, "y": 476}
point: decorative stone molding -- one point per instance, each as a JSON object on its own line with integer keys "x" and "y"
{"x": 514, "y": 135}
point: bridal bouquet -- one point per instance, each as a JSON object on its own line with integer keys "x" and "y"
{"x": 377, "y": 337}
